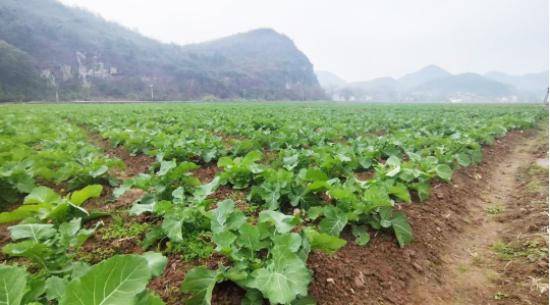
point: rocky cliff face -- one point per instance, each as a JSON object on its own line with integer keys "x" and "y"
{"x": 85, "y": 57}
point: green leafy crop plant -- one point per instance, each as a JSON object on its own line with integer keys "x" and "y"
{"x": 308, "y": 172}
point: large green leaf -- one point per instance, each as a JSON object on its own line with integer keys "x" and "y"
{"x": 323, "y": 242}
{"x": 99, "y": 171}
{"x": 463, "y": 159}
{"x": 13, "y": 282}
{"x": 140, "y": 208}
{"x": 221, "y": 214}
{"x": 115, "y": 281}
{"x": 283, "y": 223}
{"x": 400, "y": 191}
{"x": 23, "y": 212}
{"x": 206, "y": 189}
{"x": 172, "y": 227}
{"x": 285, "y": 278}
{"x": 362, "y": 237}
{"x": 288, "y": 242}
{"x": 315, "y": 174}
{"x": 376, "y": 196}
{"x": 224, "y": 240}
{"x": 148, "y": 298}
{"x": 252, "y": 297}
{"x": 156, "y": 262}
{"x": 334, "y": 221}
{"x": 423, "y": 190}
{"x": 36, "y": 287}
{"x": 35, "y": 251}
{"x": 42, "y": 194}
{"x": 55, "y": 287}
{"x": 444, "y": 172}
{"x": 90, "y": 191}
{"x": 402, "y": 229}
{"x": 33, "y": 231}
{"x": 200, "y": 282}
{"x": 165, "y": 167}
{"x": 394, "y": 166}
{"x": 249, "y": 237}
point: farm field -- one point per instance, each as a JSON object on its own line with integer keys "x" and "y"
{"x": 272, "y": 203}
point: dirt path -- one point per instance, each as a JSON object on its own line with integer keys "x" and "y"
{"x": 501, "y": 257}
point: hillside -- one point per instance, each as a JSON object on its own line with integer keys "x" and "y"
{"x": 378, "y": 89}
{"x": 532, "y": 83}
{"x": 434, "y": 84}
{"x": 19, "y": 78}
{"x": 329, "y": 79}
{"x": 87, "y": 57}
{"x": 422, "y": 76}
{"x": 469, "y": 86}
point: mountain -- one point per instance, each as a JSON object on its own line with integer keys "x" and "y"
{"x": 467, "y": 86}
{"x": 329, "y": 80}
{"x": 87, "y": 57}
{"x": 434, "y": 84}
{"x": 19, "y": 78}
{"x": 422, "y": 76}
{"x": 532, "y": 83}
{"x": 378, "y": 89}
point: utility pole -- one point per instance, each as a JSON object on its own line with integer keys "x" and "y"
{"x": 152, "y": 92}
{"x": 546, "y": 97}
{"x": 56, "y": 93}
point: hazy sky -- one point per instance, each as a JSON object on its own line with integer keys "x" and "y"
{"x": 360, "y": 39}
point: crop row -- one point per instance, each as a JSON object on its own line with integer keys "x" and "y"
{"x": 283, "y": 180}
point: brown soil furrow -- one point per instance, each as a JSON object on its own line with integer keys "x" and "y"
{"x": 475, "y": 268}
{"x": 450, "y": 229}
{"x": 134, "y": 164}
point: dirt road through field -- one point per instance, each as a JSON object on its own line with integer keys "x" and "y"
{"x": 501, "y": 257}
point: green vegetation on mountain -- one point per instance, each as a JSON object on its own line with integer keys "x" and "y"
{"x": 19, "y": 78}
{"x": 87, "y": 57}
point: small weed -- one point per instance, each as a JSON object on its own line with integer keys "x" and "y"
{"x": 494, "y": 209}
{"x": 237, "y": 196}
{"x": 536, "y": 170}
{"x": 533, "y": 250}
{"x": 500, "y": 296}
{"x": 462, "y": 268}
{"x": 96, "y": 255}
{"x": 120, "y": 228}
{"x": 533, "y": 186}
{"x": 538, "y": 178}
{"x": 192, "y": 247}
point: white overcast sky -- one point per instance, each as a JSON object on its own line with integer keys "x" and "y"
{"x": 360, "y": 39}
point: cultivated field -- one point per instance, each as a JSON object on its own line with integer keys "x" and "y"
{"x": 279, "y": 203}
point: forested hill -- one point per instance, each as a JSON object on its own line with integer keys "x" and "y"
{"x": 45, "y": 45}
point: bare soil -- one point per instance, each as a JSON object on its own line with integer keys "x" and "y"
{"x": 134, "y": 163}
{"x": 206, "y": 173}
{"x": 502, "y": 258}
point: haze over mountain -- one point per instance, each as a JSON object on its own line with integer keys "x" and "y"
{"x": 328, "y": 79}
{"x": 532, "y": 82}
{"x": 84, "y": 56}
{"x": 422, "y": 76}
{"x": 434, "y": 84}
